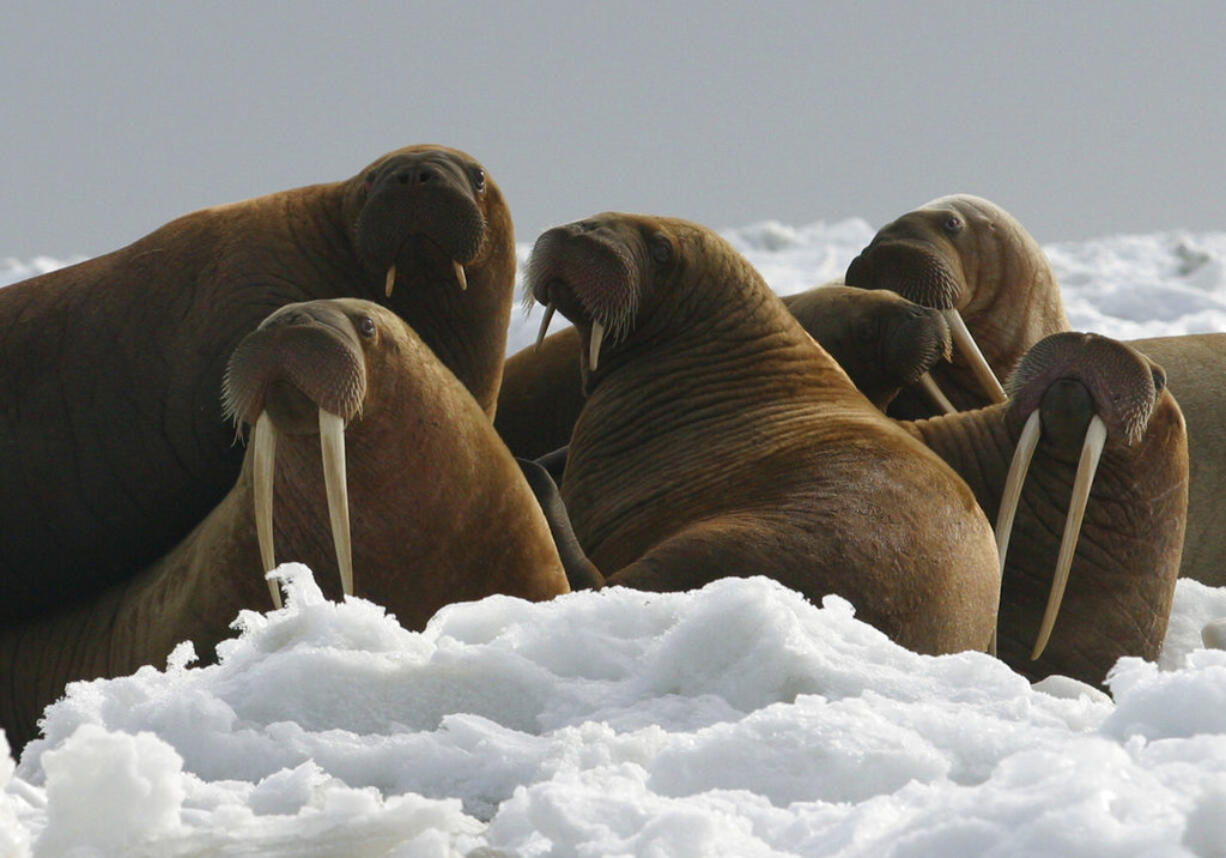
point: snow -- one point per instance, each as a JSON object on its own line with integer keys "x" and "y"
{"x": 736, "y": 720}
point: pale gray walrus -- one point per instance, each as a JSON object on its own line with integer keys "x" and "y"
{"x": 968, "y": 256}
{"x": 718, "y": 439}
{"x": 112, "y": 441}
{"x": 419, "y": 504}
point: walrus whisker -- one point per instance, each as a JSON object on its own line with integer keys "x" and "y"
{"x": 332, "y": 448}
{"x": 265, "y": 453}
{"x": 460, "y": 277}
{"x": 1091, "y": 451}
{"x": 970, "y": 352}
{"x": 934, "y": 393}
{"x": 390, "y": 283}
{"x": 594, "y": 345}
{"x": 545, "y": 320}
{"x": 1012, "y": 493}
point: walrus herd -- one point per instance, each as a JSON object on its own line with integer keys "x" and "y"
{"x": 353, "y": 335}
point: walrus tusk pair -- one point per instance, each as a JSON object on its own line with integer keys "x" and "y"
{"x": 1087, "y": 466}
{"x": 390, "y": 282}
{"x": 970, "y": 352}
{"x": 597, "y": 336}
{"x": 332, "y": 449}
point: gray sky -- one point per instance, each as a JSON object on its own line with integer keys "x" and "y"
{"x": 1082, "y": 119}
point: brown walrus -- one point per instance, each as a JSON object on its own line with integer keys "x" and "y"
{"x": 881, "y": 340}
{"x": 966, "y": 255}
{"x": 112, "y": 442}
{"x": 440, "y": 512}
{"x": 719, "y": 439}
{"x": 1110, "y": 527}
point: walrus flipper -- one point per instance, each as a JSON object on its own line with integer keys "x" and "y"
{"x": 580, "y": 572}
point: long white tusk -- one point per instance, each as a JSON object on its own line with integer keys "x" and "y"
{"x": 460, "y": 276}
{"x": 1091, "y": 450}
{"x": 390, "y": 283}
{"x": 332, "y": 446}
{"x": 593, "y": 352}
{"x": 970, "y": 352}
{"x": 1012, "y": 493}
{"x": 939, "y": 399}
{"x": 540, "y": 335}
{"x": 265, "y": 456}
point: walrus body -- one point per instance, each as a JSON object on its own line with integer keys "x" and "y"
{"x": 719, "y": 439}
{"x": 966, "y": 254}
{"x": 881, "y": 340}
{"x": 112, "y": 442}
{"x": 440, "y": 510}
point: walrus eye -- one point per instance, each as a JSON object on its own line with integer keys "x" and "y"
{"x": 366, "y": 326}
{"x": 661, "y": 249}
{"x": 952, "y": 225}
{"x": 479, "y": 179}
{"x": 370, "y": 181}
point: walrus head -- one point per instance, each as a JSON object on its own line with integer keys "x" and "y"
{"x": 605, "y": 274}
{"x": 955, "y": 254}
{"x": 422, "y": 209}
{"x": 1081, "y": 393}
{"x": 303, "y": 371}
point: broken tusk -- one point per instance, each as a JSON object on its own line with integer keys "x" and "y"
{"x": 460, "y": 277}
{"x": 540, "y": 335}
{"x": 1091, "y": 451}
{"x": 972, "y": 355}
{"x": 593, "y": 355}
{"x": 332, "y": 447}
{"x": 1012, "y": 493}
{"x": 939, "y": 399}
{"x": 264, "y": 460}
{"x": 390, "y": 283}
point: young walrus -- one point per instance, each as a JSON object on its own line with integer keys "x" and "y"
{"x": 719, "y": 439}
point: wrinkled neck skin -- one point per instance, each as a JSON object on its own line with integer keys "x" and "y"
{"x": 1122, "y": 579}
{"x": 674, "y": 406}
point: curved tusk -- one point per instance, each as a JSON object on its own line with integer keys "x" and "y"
{"x": 939, "y": 399}
{"x": 1022, "y": 454}
{"x": 332, "y": 447}
{"x": 390, "y": 283}
{"x": 1091, "y": 450}
{"x": 264, "y": 459}
{"x": 972, "y": 355}
{"x": 460, "y": 276}
{"x": 540, "y": 335}
{"x": 594, "y": 346}
{"x": 1214, "y": 634}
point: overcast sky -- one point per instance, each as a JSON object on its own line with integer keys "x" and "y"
{"x": 1082, "y": 119}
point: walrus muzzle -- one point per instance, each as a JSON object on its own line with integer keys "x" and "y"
{"x": 300, "y": 361}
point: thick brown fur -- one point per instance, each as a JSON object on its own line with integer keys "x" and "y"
{"x": 881, "y": 340}
{"x": 112, "y": 442}
{"x": 1122, "y": 580}
{"x": 719, "y": 439}
{"x": 998, "y": 277}
{"x": 439, "y": 509}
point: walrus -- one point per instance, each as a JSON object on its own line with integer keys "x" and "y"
{"x": 112, "y": 441}
{"x": 969, "y": 257}
{"x": 881, "y": 340}
{"x": 718, "y": 439}
{"x": 1085, "y": 471}
{"x": 435, "y": 510}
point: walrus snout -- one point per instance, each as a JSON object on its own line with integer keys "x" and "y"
{"x": 917, "y": 341}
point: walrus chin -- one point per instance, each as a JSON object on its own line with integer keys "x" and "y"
{"x": 266, "y": 382}
{"x": 1070, "y": 396}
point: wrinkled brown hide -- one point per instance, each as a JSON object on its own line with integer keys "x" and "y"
{"x": 881, "y": 340}
{"x": 718, "y": 439}
{"x": 439, "y": 510}
{"x": 1123, "y": 575}
{"x": 997, "y": 276}
{"x": 112, "y": 442}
